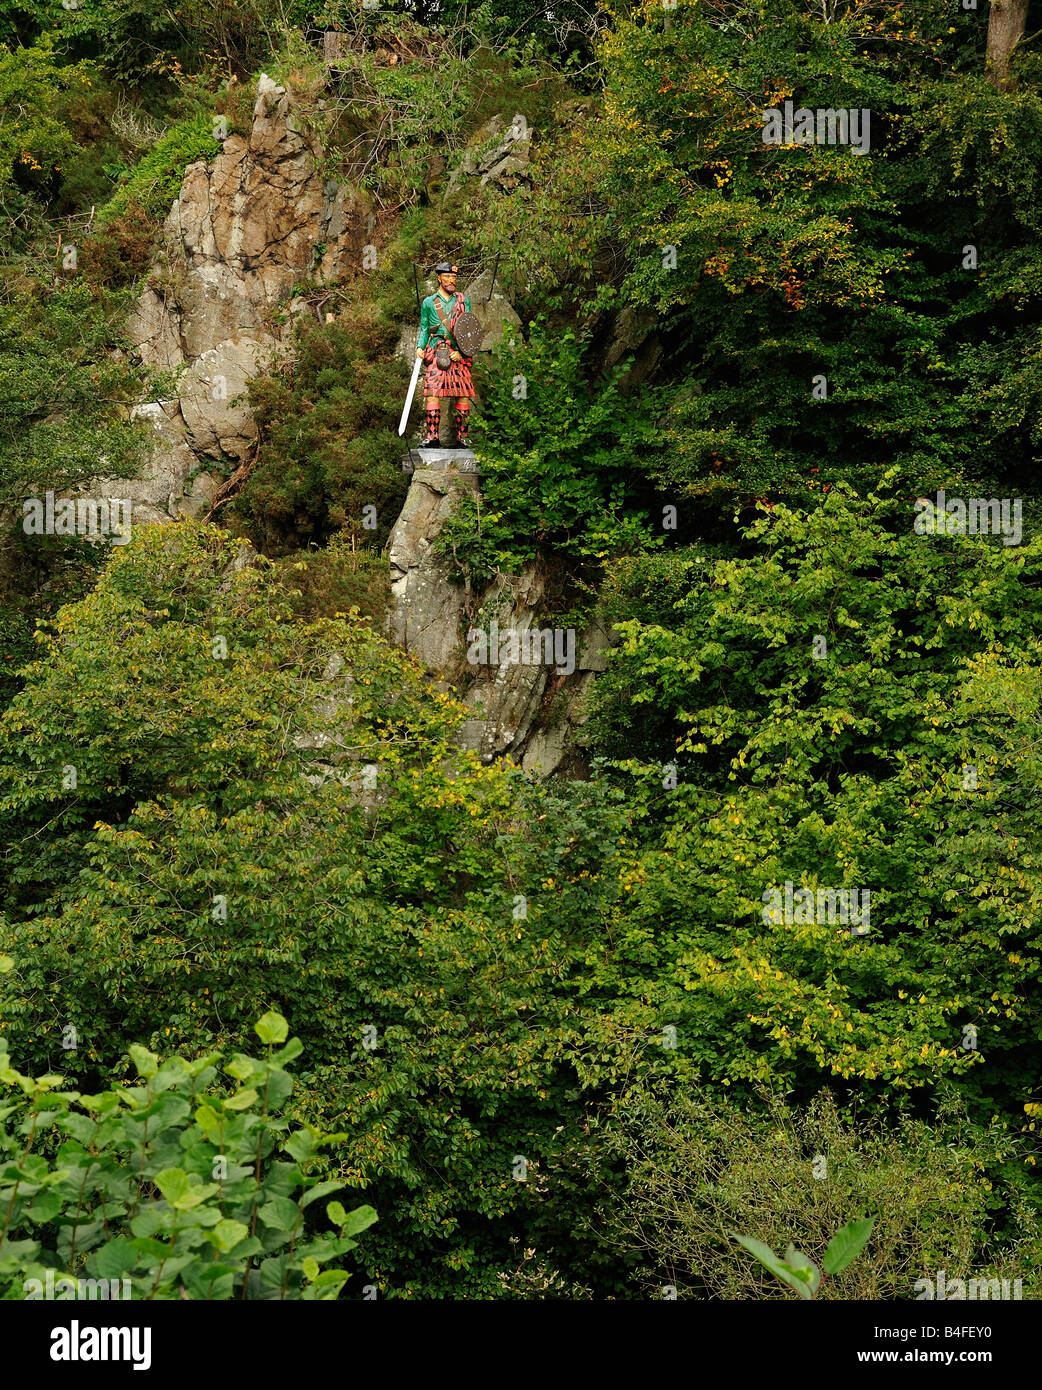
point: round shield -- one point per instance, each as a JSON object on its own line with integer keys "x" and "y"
{"x": 468, "y": 333}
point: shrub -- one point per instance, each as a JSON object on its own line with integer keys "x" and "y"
{"x": 329, "y": 447}
{"x": 146, "y": 43}
{"x": 122, "y": 250}
{"x": 173, "y": 1184}
{"x": 699, "y": 1168}
{"x": 338, "y": 578}
{"x": 557, "y": 448}
{"x": 155, "y": 180}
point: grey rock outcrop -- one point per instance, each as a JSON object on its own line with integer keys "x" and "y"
{"x": 633, "y": 334}
{"x": 243, "y": 229}
{"x": 494, "y": 311}
{"x": 495, "y": 155}
{"x": 527, "y": 710}
{"x": 426, "y": 606}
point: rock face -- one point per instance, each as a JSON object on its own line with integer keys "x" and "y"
{"x": 496, "y": 155}
{"x": 524, "y": 679}
{"x": 243, "y": 229}
{"x": 633, "y": 333}
{"x": 494, "y": 311}
{"x": 424, "y": 618}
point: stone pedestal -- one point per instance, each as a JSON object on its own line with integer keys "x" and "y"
{"x": 430, "y": 616}
{"x": 426, "y": 613}
{"x": 442, "y": 460}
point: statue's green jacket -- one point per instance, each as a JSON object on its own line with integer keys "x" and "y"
{"x": 431, "y": 329}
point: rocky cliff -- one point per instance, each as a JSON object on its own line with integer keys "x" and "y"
{"x": 243, "y": 230}
{"x": 527, "y": 710}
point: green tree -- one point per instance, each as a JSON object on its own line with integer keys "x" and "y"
{"x": 557, "y": 449}
{"x": 279, "y": 815}
{"x": 65, "y": 392}
{"x": 848, "y": 705}
{"x": 819, "y": 310}
{"x": 34, "y": 139}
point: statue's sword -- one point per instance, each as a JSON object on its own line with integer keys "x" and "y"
{"x": 403, "y": 423}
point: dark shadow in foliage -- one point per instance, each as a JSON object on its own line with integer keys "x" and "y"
{"x": 329, "y": 444}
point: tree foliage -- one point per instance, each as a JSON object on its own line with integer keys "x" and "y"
{"x": 221, "y": 851}
{"x": 849, "y": 705}
{"x": 222, "y": 793}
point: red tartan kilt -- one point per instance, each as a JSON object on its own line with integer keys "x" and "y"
{"x": 456, "y": 381}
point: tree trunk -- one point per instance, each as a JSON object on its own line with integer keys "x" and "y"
{"x": 1006, "y": 26}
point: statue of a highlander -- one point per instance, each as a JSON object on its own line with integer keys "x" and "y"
{"x": 449, "y": 336}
